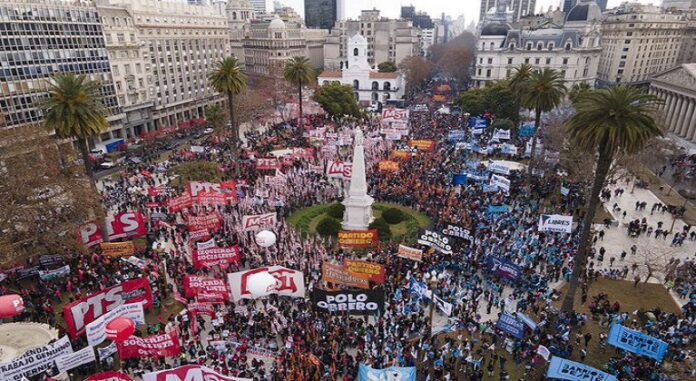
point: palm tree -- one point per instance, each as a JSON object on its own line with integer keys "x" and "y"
{"x": 74, "y": 110}
{"x": 577, "y": 90}
{"x": 518, "y": 81}
{"x": 607, "y": 122}
{"x": 299, "y": 71}
{"x": 543, "y": 91}
{"x": 228, "y": 78}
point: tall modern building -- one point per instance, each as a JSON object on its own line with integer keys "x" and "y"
{"x": 388, "y": 40}
{"x": 639, "y": 41}
{"x": 321, "y": 14}
{"x": 569, "y": 4}
{"x": 519, "y": 8}
{"x": 602, "y": 4}
{"x": 262, "y": 6}
{"x": 678, "y": 4}
{"x": 40, "y": 38}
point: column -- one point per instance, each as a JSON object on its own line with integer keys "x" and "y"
{"x": 684, "y": 119}
{"x": 669, "y": 110}
{"x": 691, "y": 127}
{"x": 674, "y": 114}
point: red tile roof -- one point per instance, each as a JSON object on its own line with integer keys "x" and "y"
{"x": 378, "y": 75}
{"x": 331, "y": 74}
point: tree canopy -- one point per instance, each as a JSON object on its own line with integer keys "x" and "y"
{"x": 496, "y": 98}
{"x": 337, "y": 100}
{"x": 386, "y": 67}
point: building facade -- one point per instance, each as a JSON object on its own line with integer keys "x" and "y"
{"x": 573, "y": 50}
{"x": 638, "y": 42}
{"x": 519, "y": 8}
{"x": 320, "y": 14}
{"x": 369, "y": 85}
{"x": 39, "y": 39}
{"x": 178, "y": 46}
{"x": 677, "y": 88}
{"x": 262, "y": 6}
{"x": 687, "y": 51}
{"x": 388, "y": 40}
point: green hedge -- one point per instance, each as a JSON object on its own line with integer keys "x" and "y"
{"x": 382, "y": 228}
{"x": 336, "y": 210}
{"x": 393, "y": 216}
{"x": 328, "y": 227}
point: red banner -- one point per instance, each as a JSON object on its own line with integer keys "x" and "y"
{"x": 84, "y": 311}
{"x": 195, "y": 285}
{"x": 201, "y": 309}
{"x": 189, "y": 373}
{"x": 90, "y": 234}
{"x": 215, "y": 256}
{"x": 259, "y": 221}
{"x": 357, "y": 238}
{"x": 422, "y": 145}
{"x": 109, "y": 376}
{"x": 374, "y": 270}
{"x": 199, "y": 235}
{"x": 206, "y": 222}
{"x": 177, "y": 204}
{"x": 302, "y": 153}
{"x": 264, "y": 163}
{"x": 165, "y": 345}
{"x": 125, "y": 225}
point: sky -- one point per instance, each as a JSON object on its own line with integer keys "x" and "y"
{"x": 454, "y": 8}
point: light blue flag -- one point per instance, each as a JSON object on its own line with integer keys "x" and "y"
{"x": 637, "y": 342}
{"x": 388, "y": 374}
{"x": 563, "y": 369}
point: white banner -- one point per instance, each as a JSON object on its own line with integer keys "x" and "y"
{"x": 445, "y": 307}
{"x": 75, "y": 359}
{"x": 206, "y": 245}
{"x": 394, "y": 114}
{"x": 339, "y": 170}
{"x": 501, "y": 182}
{"x": 96, "y": 330}
{"x": 107, "y": 350}
{"x": 189, "y": 373}
{"x": 35, "y": 361}
{"x": 555, "y": 223}
{"x": 289, "y": 282}
{"x": 502, "y": 134}
{"x": 498, "y": 167}
{"x": 259, "y": 221}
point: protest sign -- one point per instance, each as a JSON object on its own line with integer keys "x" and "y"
{"x": 107, "y": 350}
{"x": 96, "y": 330}
{"x": 443, "y": 306}
{"x": 366, "y": 302}
{"x": 267, "y": 163}
{"x": 125, "y": 225}
{"x": 90, "y": 234}
{"x": 72, "y": 360}
{"x": 177, "y": 204}
{"x": 562, "y": 369}
{"x": 35, "y": 361}
{"x": 164, "y": 345}
{"x": 456, "y": 135}
{"x": 289, "y": 282}
{"x": 206, "y": 245}
{"x": 195, "y": 285}
{"x": 357, "y": 238}
{"x": 457, "y": 231}
{"x": 55, "y": 273}
{"x": 367, "y": 373}
{"x": 410, "y": 253}
{"x": 374, "y": 271}
{"x": 510, "y": 325}
{"x": 388, "y": 166}
{"x": 339, "y": 170}
{"x": 459, "y": 179}
{"x": 199, "y": 235}
{"x": 555, "y": 223}
{"x": 565, "y": 191}
{"x": 86, "y": 310}
{"x": 117, "y": 249}
{"x": 215, "y": 256}
{"x": 51, "y": 260}
{"x": 498, "y": 167}
{"x": 259, "y": 221}
{"x": 204, "y": 222}
{"x": 436, "y": 241}
{"x": 109, "y": 376}
{"x": 395, "y": 114}
{"x": 502, "y": 134}
{"x": 637, "y": 342}
{"x": 336, "y": 274}
{"x": 189, "y": 373}
{"x": 422, "y": 145}
{"x": 503, "y": 268}
{"x": 501, "y": 182}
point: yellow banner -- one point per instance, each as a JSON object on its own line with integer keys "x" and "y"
{"x": 118, "y": 249}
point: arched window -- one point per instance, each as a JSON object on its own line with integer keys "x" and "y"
{"x": 325, "y": 83}
{"x": 375, "y": 85}
{"x": 375, "y": 97}
{"x": 387, "y": 96}
{"x": 355, "y": 52}
{"x": 551, "y": 45}
{"x": 540, "y": 45}
{"x": 387, "y": 86}
{"x": 567, "y": 46}
{"x": 492, "y": 46}
{"x": 356, "y": 84}
{"x": 512, "y": 47}
{"x": 234, "y": 15}
{"x": 341, "y": 65}
{"x": 529, "y": 46}
{"x": 483, "y": 46}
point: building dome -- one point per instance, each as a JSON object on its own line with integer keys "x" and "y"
{"x": 276, "y": 23}
{"x": 585, "y": 10}
{"x": 495, "y": 29}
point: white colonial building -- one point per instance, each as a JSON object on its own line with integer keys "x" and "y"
{"x": 369, "y": 85}
{"x": 572, "y": 49}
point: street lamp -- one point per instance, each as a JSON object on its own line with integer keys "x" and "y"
{"x": 432, "y": 278}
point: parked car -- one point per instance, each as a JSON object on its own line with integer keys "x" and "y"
{"x": 96, "y": 153}
{"x": 107, "y": 164}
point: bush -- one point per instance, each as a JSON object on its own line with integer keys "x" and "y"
{"x": 336, "y": 210}
{"x": 382, "y": 228}
{"x": 393, "y": 215}
{"x": 328, "y": 227}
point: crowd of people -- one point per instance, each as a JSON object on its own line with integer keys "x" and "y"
{"x": 283, "y": 338}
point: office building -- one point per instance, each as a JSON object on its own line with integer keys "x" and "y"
{"x": 321, "y": 14}
{"x": 687, "y": 51}
{"x": 179, "y": 45}
{"x": 39, "y": 39}
{"x": 573, "y": 49}
{"x": 407, "y": 12}
{"x": 568, "y": 5}
{"x": 369, "y": 85}
{"x": 388, "y": 40}
{"x": 262, "y": 6}
{"x": 678, "y": 5}
{"x": 639, "y": 41}
{"x": 519, "y": 8}
{"x": 677, "y": 88}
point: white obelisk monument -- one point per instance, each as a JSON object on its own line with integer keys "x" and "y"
{"x": 358, "y": 214}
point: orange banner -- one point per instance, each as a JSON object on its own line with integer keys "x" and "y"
{"x": 388, "y": 165}
{"x": 357, "y": 238}
{"x": 410, "y": 253}
{"x": 118, "y": 249}
{"x": 422, "y": 145}
{"x": 401, "y": 155}
{"x": 374, "y": 271}
{"x": 336, "y": 274}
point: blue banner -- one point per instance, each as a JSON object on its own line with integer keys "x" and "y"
{"x": 637, "y": 342}
{"x": 495, "y": 209}
{"x": 490, "y": 188}
{"x": 419, "y": 289}
{"x": 387, "y": 374}
{"x": 510, "y": 325}
{"x": 478, "y": 123}
{"x": 565, "y": 191}
{"x": 476, "y": 176}
{"x": 563, "y": 369}
{"x": 503, "y": 268}
{"x": 458, "y": 179}
{"x": 526, "y": 131}
{"x": 456, "y": 135}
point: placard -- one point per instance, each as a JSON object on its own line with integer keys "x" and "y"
{"x": 35, "y": 361}
{"x": 259, "y": 221}
{"x": 509, "y": 324}
{"x": 72, "y": 360}
{"x": 562, "y": 369}
{"x": 215, "y": 256}
{"x": 164, "y": 345}
{"x": 348, "y": 301}
{"x": 637, "y": 342}
{"x": 555, "y": 223}
{"x": 357, "y": 238}
{"x": 374, "y": 271}
{"x": 117, "y": 249}
{"x": 337, "y": 275}
{"x": 96, "y": 330}
{"x": 436, "y": 241}
{"x": 410, "y": 253}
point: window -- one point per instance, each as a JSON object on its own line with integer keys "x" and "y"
{"x": 529, "y": 46}
{"x": 512, "y": 46}
{"x": 540, "y": 45}
{"x": 356, "y": 84}
{"x": 387, "y": 86}
{"x": 375, "y": 85}
{"x": 567, "y": 46}
{"x": 509, "y": 61}
{"x": 526, "y": 60}
{"x": 537, "y": 61}
{"x": 490, "y": 61}
{"x": 355, "y": 52}
{"x": 548, "y": 61}
{"x": 488, "y": 73}
{"x": 565, "y": 61}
